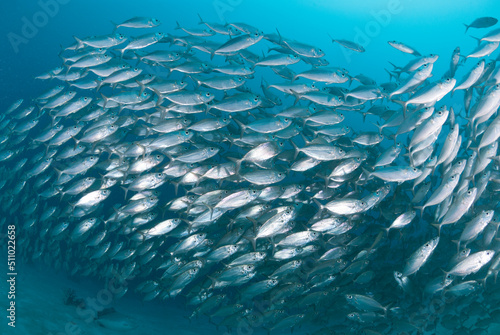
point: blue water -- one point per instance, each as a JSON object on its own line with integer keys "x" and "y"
{"x": 33, "y": 33}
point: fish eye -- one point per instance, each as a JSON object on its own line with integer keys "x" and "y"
{"x": 186, "y": 132}
{"x": 158, "y": 175}
{"x": 207, "y": 94}
{"x": 136, "y": 69}
{"x": 469, "y": 192}
{"x": 349, "y": 296}
{"x": 255, "y": 99}
{"x": 415, "y": 170}
{"x": 343, "y": 75}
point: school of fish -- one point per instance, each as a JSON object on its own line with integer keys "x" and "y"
{"x": 216, "y": 166}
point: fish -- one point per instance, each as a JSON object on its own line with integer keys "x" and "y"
{"x": 239, "y": 43}
{"x": 431, "y": 93}
{"x": 228, "y": 166}
{"x": 481, "y": 22}
{"x": 420, "y": 257}
{"x": 404, "y": 48}
{"x": 138, "y": 22}
{"x": 492, "y": 36}
{"x": 472, "y": 263}
{"x": 402, "y": 220}
{"x": 349, "y": 45}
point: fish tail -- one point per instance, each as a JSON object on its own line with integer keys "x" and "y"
{"x": 387, "y": 231}
{"x": 178, "y": 26}
{"x": 122, "y": 51}
{"x": 279, "y": 34}
{"x": 368, "y": 173}
{"x": 58, "y": 172}
{"x": 115, "y": 26}
{"x": 484, "y": 280}
{"x": 351, "y": 78}
{"x": 237, "y": 162}
{"x": 297, "y": 149}
{"x": 252, "y": 239}
{"x": 240, "y": 124}
{"x": 404, "y": 104}
{"x": 296, "y": 95}
{"x": 105, "y": 100}
{"x": 77, "y": 141}
{"x": 466, "y": 28}
{"x": 386, "y": 308}
{"x": 421, "y": 208}
{"x": 319, "y": 204}
{"x": 139, "y": 59}
{"x": 333, "y": 40}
